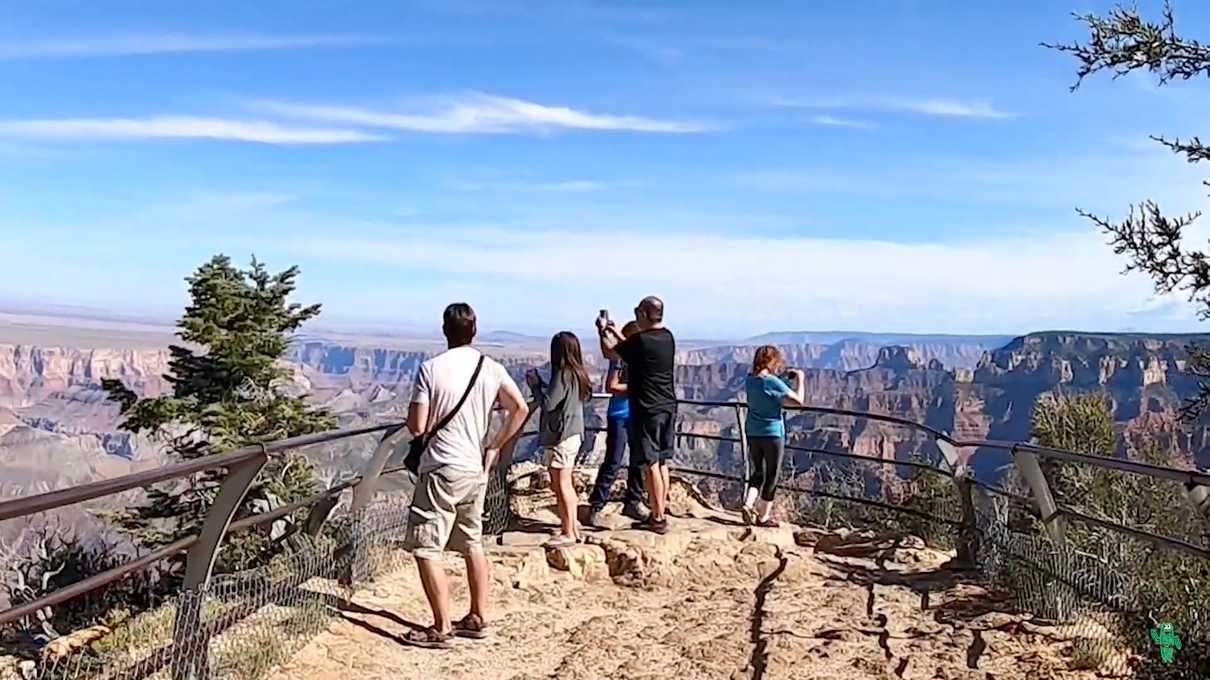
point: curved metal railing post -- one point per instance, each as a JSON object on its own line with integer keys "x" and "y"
{"x": 199, "y": 564}
{"x": 353, "y": 563}
{"x": 742, "y": 428}
{"x": 1199, "y": 496}
{"x": 367, "y": 486}
{"x": 968, "y": 534}
{"x": 1039, "y": 490}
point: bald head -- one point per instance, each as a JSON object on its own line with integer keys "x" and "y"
{"x": 650, "y": 311}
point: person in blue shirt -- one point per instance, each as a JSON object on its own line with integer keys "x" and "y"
{"x": 766, "y": 431}
{"x": 617, "y": 421}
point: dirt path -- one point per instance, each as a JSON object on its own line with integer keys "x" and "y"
{"x": 712, "y": 600}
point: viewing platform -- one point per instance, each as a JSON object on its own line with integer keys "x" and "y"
{"x": 712, "y": 599}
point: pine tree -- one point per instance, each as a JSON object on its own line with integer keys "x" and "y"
{"x": 226, "y": 382}
{"x": 1153, "y": 241}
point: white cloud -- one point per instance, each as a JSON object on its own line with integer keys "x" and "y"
{"x": 725, "y": 283}
{"x": 483, "y": 114}
{"x": 169, "y": 43}
{"x": 834, "y": 121}
{"x": 935, "y": 106}
{"x": 179, "y": 127}
{"x": 575, "y": 186}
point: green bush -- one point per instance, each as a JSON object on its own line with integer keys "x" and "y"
{"x": 1158, "y": 584}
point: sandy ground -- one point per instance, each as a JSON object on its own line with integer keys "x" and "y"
{"x": 712, "y": 599}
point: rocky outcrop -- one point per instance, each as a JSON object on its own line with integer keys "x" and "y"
{"x": 849, "y": 354}
{"x": 29, "y": 374}
{"x": 54, "y": 391}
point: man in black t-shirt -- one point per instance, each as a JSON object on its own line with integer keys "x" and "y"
{"x": 650, "y": 359}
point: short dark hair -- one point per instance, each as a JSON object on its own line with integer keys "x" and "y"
{"x": 459, "y": 325}
{"x": 652, "y": 308}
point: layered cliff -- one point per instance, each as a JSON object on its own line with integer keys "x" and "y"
{"x": 29, "y": 374}
{"x": 849, "y": 354}
{"x": 1140, "y": 374}
{"x": 55, "y": 392}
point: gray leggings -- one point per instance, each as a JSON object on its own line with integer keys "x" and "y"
{"x": 764, "y": 464}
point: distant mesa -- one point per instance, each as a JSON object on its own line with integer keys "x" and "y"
{"x": 899, "y": 358}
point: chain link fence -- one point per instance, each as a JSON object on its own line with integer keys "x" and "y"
{"x": 1102, "y": 592}
{"x": 248, "y": 622}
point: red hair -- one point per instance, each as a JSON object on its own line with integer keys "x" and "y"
{"x": 768, "y": 358}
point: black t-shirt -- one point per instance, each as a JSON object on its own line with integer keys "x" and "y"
{"x": 650, "y": 360}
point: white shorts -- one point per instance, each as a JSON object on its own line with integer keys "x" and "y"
{"x": 563, "y": 454}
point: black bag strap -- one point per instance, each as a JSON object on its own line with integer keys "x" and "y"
{"x": 450, "y": 416}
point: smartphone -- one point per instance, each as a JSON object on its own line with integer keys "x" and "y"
{"x": 605, "y": 315}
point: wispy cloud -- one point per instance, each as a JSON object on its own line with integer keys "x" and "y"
{"x": 834, "y": 121}
{"x": 170, "y": 43}
{"x": 929, "y": 106}
{"x": 575, "y": 186}
{"x": 483, "y": 114}
{"x": 179, "y": 127}
{"x": 1075, "y": 272}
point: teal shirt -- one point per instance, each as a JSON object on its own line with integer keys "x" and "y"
{"x": 765, "y": 394}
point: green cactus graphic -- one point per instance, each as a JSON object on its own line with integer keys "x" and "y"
{"x": 1165, "y": 636}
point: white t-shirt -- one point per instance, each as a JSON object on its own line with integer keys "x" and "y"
{"x": 440, "y": 383}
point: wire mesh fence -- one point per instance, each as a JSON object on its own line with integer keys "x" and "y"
{"x": 243, "y": 624}
{"x": 1101, "y": 592}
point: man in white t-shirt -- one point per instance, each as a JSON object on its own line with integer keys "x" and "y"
{"x": 447, "y": 508}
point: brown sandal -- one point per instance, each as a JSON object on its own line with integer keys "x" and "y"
{"x": 768, "y": 523}
{"x": 471, "y": 626}
{"x": 429, "y": 638}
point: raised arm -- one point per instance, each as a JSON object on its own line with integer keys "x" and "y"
{"x": 554, "y": 393}
{"x": 798, "y": 392}
{"x": 510, "y": 399}
{"x": 610, "y": 338}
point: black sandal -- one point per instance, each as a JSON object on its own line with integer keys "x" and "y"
{"x": 429, "y": 638}
{"x": 470, "y": 626}
{"x": 653, "y": 525}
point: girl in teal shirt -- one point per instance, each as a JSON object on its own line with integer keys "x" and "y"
{"x": 766, "y": 433}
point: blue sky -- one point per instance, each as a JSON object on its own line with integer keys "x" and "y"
{"x": 890, "y": 165}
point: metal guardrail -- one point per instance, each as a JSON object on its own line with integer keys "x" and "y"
{"x": 243, "y": 465}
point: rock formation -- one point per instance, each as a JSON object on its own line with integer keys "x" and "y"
{"x": 52, "y": 403}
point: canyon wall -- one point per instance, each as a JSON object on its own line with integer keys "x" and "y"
{"x": 56, "y": 425}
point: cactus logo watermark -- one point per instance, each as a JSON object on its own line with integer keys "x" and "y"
{"x": 1165, "y": 636}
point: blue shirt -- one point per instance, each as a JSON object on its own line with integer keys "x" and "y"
{"x": 765, "y": 394}
{"x": 619, "y": 404}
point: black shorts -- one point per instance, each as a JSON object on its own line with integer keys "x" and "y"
{"x": 652, "y": 436}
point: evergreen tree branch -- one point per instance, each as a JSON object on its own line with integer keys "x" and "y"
{"x": 1123, "y": 41}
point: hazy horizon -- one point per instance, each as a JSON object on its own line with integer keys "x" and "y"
{"x": 757, "y": 170}
{"x": 81, "y": 318}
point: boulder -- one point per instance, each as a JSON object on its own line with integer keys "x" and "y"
{"x": 585, "y": 562}
{"x": 531, "y": 569}
{"x": 15, "y": 668}
{"x": 74, "y": 642}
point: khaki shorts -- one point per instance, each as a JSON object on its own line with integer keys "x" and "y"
{"x": 446, "y": 513}
{"x": 563, "y": 454}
